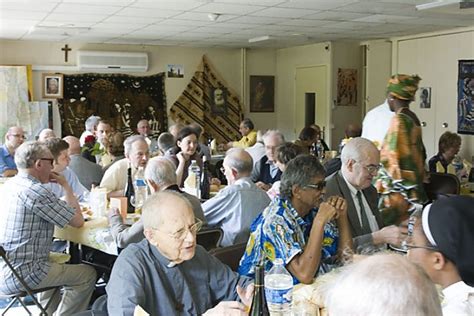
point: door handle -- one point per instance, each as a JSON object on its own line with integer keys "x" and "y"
{"x": 445, "y": 125}
{"x": 423, "y": 124}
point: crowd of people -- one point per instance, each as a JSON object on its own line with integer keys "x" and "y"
{"x": 281, "y": 200}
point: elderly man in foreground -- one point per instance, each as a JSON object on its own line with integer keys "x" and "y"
{"x": 383, "y": 284}
{"x": 168, "y": 274}
{"x": 26, "y": 231}
{"x": 360, "y": 164}
{"x": 160, "y": 173}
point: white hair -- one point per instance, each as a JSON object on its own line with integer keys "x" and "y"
{"x": 383, "y": 284}
{"x": 127, "y": 144}
{"x": 273, "y": 133}
{"x": 161, "y": 170}
{"x": 356, "y": 148}
{"x": 91, "y": 122}
{"x": 29, "y": 152}
{"x": 158, "y": 203}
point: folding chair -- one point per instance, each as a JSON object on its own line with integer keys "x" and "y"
{"x": 209, "y": 238}
{"x": 230, "y": 255}
{"x": 26, "y": 292}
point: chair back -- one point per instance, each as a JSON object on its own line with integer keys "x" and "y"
{"x": 230, "y": 255}
{"x": 209, "y": 238}
{"x": 442, "y": 184}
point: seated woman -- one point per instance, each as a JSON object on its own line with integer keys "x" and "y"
{"x": 292, "y": 228}
{"x": 448, "y": 147}
{"x": 308, "y": 136}
{"x": 184, "y": 152}
{"x": 284, "y": 153}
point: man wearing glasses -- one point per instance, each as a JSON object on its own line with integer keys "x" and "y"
{"x": 441, "y": 240}
{"x": 168, "y": 274}
{"x": 30, "y": 212}
{"x": 13, "y": 139}
{"x": 360, "y": 163}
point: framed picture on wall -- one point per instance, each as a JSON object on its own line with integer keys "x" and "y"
{"x": 425, "y": 98}
{"x": 52, "y": 86}
{"x": 262, "y": 93}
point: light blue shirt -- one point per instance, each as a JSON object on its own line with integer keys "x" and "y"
{"x": 74, "y": 183}
{"x": 234, "y": 208}
{"x": 7, "y": 161}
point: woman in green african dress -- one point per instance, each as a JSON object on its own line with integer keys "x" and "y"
{"x": 403, "y": 154}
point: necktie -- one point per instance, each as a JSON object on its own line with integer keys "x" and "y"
{"x": 363, "y": 216}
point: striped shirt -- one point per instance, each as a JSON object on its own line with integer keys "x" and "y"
{"x": 27, "y": 221}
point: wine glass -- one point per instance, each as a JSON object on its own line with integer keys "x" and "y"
{"x": 137, "y": 203}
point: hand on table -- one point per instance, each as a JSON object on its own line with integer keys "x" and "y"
{"x": 228, "y": 308}
{"x": 263, "y": 186}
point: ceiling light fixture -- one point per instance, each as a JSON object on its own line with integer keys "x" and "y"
{"x": 436, "y": 4}
{"x": 66, "y": 28}
{"x": 213, "y": 16}
{"x": 259, "y": 39}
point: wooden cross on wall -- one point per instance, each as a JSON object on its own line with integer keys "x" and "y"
{"x": 66, "y": 50}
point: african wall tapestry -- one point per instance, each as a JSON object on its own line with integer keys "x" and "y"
{"x": 122, "y": 100}
{"x": 346, "y": 86}
{"x": 208, "y": 101}
{"x": 466, "y": 97}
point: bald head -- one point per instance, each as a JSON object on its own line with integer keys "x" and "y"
{"x": 353, "y": 130}
{"x": 238, "y": 164}
{"x": 165, "y": 207}
{"x": 360, "y": 162}
{"x": 45, "y": 134}
{"x": 74, "y": 145}
{"x": 14, "y": 137}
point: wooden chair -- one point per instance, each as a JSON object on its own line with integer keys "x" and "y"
{"x": 209, "y": 238}
{"x": 442, "y": 184}
{"x": 19, "y": 296}
{"x": 230, "y": 255}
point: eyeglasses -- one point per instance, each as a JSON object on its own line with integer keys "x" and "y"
{"x": 371, "y": 169}
{"x": 51, "y": 160}
{"x": 408, "y": 247}
{"x": 222, "y": 169}
{"x": 317, "y": 186}
{"x": 18, "y": 135}
{"x": 180, "y": 235}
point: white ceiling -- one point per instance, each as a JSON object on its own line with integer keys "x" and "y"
{"x": 186, "y": 22}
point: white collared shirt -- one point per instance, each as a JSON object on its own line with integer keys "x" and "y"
{"x": 370, "y": 216}
{"x": 376, "y": 123}
{"x": 455, "y": 299}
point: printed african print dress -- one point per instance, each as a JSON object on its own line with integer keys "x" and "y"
{"x": 400, "y": 180}
{"x": 279, "y": 232}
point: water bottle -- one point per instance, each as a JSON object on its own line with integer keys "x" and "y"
{"x": 278, "y": 289}
{"x": 458, "y": 165}
{"x": 195, "y": 171}
{"x": 320, "y": 150}
{"x": 140, "y": 191}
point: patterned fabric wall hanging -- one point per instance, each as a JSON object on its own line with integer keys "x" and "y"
{"x": 207, "y": 101}
{"x": 121, "y": 99}
{"x": 466, "y": 97}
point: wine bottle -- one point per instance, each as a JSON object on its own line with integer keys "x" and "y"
{"x": 205, "y": 183}
{"x": 259, "y": 303}
{"x": 130, "y": 192}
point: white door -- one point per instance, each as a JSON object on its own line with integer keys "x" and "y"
{"x": 312, "y": 79}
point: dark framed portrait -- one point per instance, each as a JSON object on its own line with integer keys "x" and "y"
{"x": 52, "y": 86}
{"x": 262, "y": 93}
{"x": 425, "y": 98}
{"x": 218, "y": 98}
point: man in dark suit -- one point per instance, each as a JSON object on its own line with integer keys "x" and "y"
{"x": 360, "y": 163}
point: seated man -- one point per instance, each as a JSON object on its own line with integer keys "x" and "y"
{"x": 136, "y": 156}
{"x": 102, "y": 133}
{"x": 59, "y": 150}
{"x": 360, "y": 163}
{"x": 382, "y": 284}
{"x": 143, "y": 128}
{"x": 309, "y": 235}
{"x": 91, "y": 126}
{"x": 45, "y": 134}
{"x": 160, "y": 174}
{"x": 167, "y": 273}
{"x": 89, "y": 173}
{"x": 13, "y": 139}
{"x": 441, "y": 244}
{"x": 249, "y": 136}
{"x": 234, "y": 208}
{"x": 166, "y": 143}
{"x": 26, "y": 231}
{"x": 265, "y": 171}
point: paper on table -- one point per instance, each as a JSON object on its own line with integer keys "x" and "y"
{"x": 139, "y": 311}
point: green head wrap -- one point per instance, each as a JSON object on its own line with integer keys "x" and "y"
{"x": 403, "y": 86}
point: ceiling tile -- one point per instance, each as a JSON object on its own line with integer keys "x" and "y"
{"x": 256, "y": 20}
{"x": 336, "y": 15}
{"x": 73, "y": 17}
{"x": 140, "y": 12}
{"x": 167, "y": 5}
{"x": 316, "y": 4}
{"x": 87, "y": 8}
{"x": 131, "y": 19}
{"x": 284, "y": 12}
{"x": 202, "y": 16}
{"x": 228, "y": 8}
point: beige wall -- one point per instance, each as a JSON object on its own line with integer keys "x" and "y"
{"x": 287, "y": 61}
{"x": 379, "y": 61}
{"x": 346, "y": 56}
